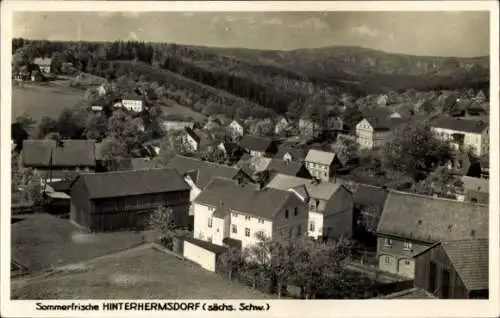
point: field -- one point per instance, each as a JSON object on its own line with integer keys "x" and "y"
{"x": 41, "y": 241}
{"x": 140, "y": 273}
{"x": 47, "y": 100}
{"x": 179, "y": 110}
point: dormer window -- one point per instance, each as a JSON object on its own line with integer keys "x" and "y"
{"x": 388, "y": 242}
{"x": 407, "y": 246}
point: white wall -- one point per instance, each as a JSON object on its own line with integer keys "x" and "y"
{"x": 134, "y": 105}
{"x": 317, "y": 218}
{"x": 470, "y": 139}
{"x": 364, "y": 134}
{"x": 202, "y": 230}
{"x": 201, "y": 256}
{"x": 253, "y": 224}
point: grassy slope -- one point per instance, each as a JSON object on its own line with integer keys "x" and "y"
{"x": 141, "y": 273}
{"x": 47, "y": 100}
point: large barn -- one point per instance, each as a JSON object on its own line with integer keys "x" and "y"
{"x": 122, "y": 200}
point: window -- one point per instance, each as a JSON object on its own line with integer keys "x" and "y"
{"x": 286, "y": 214}
{"x": 235, "y": 214}
{"x": 407, "y": 262}
{"x": 234, "y": 229}
{"x": 299, "y": 230}
{"x": 295, "y": 211}
{"x": 387, "y": 259}
{"x": 209, "y": 222}
{"x": 290, "y": 232}
{"x": 261, "y": 221}
{"x": 247, "y": 231}
{"x": 432, "y": 277}
{"x": 248, "y": 217}
{"x": 407, "y": 246}
{"x": 209, "y": 239}
{"x": 388, "y": 242}
{"x": 311, "y": 226}
{"x": 326, "y": 174}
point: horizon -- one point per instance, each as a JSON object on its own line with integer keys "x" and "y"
{"x": 261, "y": 50}
{"x": 462, "y": 34}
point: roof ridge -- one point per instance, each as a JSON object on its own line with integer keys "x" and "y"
{"x": 423, "y": 196}
{"x": 208, "y": 162}
{"x": 122, "y": 171}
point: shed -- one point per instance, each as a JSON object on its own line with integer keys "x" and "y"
{"x": 203, "y": 253}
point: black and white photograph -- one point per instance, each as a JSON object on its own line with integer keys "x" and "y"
{"x": 257, "y": 155}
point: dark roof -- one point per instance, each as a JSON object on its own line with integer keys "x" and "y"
{"x": 216, "y": 249}
{"x": 472, "y": 126}
{"x": 255, "y": 143}
{"x": 366, "y": 195}
{"x": 430, "y": 219}
{"x": 193, "y": 135}
{"x": 125, "y": 164}
{"x": 205, "y": 170}
{"x": 413, "y": 293}
{"x": 230, "y": 147}
{"x": 228, "y": 195}
{"x": 128, "y": 183}
{"x": 61, "y": 186}
{"x": 379, "y": 119}
{"x": 283, "y": 167}
{"x": 73, "y": 153}
{"x": 470, "y": 259}
{"x": 297, "y": 153}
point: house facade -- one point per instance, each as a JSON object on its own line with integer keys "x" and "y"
{"x": 281, "y": 126}
{"x": 370, "y": 137}
{"x": 411, "y": 223}
{"x": 190, "y": 141}
{"x": 454, "y": 269}
{"x": 226, "y": 210}
{"x": 124, "y": 200}
{"x": 322, "y": 164}
{"x": 329, "y": 205}
{"x": 236, "y": 129}
{"x": 309, "y": 129}
{"x": 44, "y": 64}
{"x": 463, "y": 134}
{"x": 132, "y": 103}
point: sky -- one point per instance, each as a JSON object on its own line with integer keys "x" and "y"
{"x": 447, "y": 33}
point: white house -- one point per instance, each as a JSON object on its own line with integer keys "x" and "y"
{"x": 330, "y": 205}
{"x": 132, "y": 103}
{"x": 373, "y": 129}
{"x": 281, "y": 125}
{"x": 96, "y": 108}
{"x": 322, "y": 164}
{"x": 228, "y": 210}
{"x": 460, "y": 133}
{"x": 190, "y": 140}
{"x": 236, "y": 129}
{"x": 43, "y": 63}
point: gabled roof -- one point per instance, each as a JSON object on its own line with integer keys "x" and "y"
{"x": 206, "y": 170}
{"x": 379, "y": 119}
{"x": 470, "y": 259}
{"x": 430, "y": 219}
{"x": 129, "y": 183}
{"x": 319, "y": 156}
{"x": 297, "y": 153}
{"x": 318, "y": 190}
{"x": 283, "y": 167}
{"x": 229, "y": 196}
{"x": 367, "y": 195}
{"x": 43, "y": 61}
{"x": 476, "y": 184}
{"x": 73, "y": 153}
{"x": 255, "y": 143}
{"x": 470, "y": 126}
{"x": 192, "y": 134}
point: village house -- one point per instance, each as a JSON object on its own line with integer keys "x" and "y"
{"x": 281, "y": 126}
{"x": 330, "y": 205}
{"x": 198, "y": 173}
{"x": 189, "y": 140}
{"x": 456, "y": 269}
{"x": 43, "y": 64}
{"x": 309, "y": 129}
{"x": 96, "y": 108}
{"x": 256, "y": 146}
{"x": 227, "y": 210}
{"x": 55, "y": 161}
{"x": 372, "y": 130}
{"x": 403, "y": 233}
{"x": 236, "y": 129}
{"x": 322, "y": 164}
{"x": 124, "y": 200}
{"x": 231, "y": 150}
{"x": 476, "y": 189}
{"x": 133, "y": 103}
{"x": 480, "y": 97}
{"x": 463, "y": 134}
{"x": 290, "y": 153}
{"x": 295, "y": 169}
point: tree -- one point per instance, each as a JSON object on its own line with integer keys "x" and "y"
{"x": 96, "y": 128}
{"x": 415, "y": 150}
{"x": 370, "y": 217}
{"x": 56, "y": 63}
{"x": 71, "y": 124}
{"x": 23, "y": 56}
{"x": 26, "y": 122}
{"x": 162, "y": 220}
{"x": 127, "y": 130}
{"x": 232, "y": 261}
{"x": 112, "y": 148}
{"x": 263, "y": 128}
{"x": 441, "y": 182}
{"x": 345, "y": 148}
{"x": 45, "y": 126}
